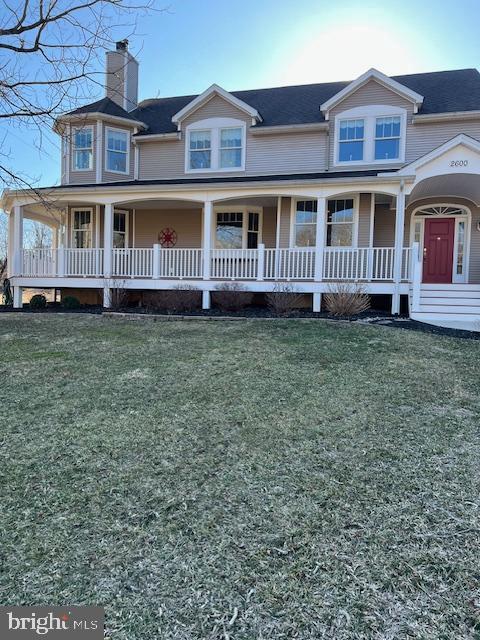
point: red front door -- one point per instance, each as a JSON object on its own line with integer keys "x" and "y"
{"x": 438, "y": 250}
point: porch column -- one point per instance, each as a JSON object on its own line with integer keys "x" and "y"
{"x": 397, "y": 264}
{"x": 15, "y": 230}
{"x": 107, "y": 240}
{"x": 207, "y": 237}
{"x": 319, "y": 249}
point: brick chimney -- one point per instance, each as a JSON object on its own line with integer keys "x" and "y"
{"x": 121, "y": 78}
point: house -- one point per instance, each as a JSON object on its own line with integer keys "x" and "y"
{"x": 373, "y": 181}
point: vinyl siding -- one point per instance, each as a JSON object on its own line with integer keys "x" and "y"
{"x": 364, "y": 220}
{"x": 384, "y": 227}
{"x": 423, "y": 138}
{"x": 285, "y": 216}
{"x": 186, "y": 222}
{"x": 269, "y": 226}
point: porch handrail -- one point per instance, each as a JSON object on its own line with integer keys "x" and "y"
{"x": 416, "y": 270}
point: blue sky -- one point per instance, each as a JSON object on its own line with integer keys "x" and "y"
{"x": 261, "y": 43}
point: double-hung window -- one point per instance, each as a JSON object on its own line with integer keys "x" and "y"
{"x": 387, "y": 138}
{"x": 340, "y": 223}
{"x": 120, "y": 229}
{"x": 82, "y": 229}
{"x": 230, "y": 147}
{"x": 305, "y": 223}
{"x": 237, "y": 229}
{"x": 200, "y": 149}
{"x": 117, "y": 151}
{"x": 215, "y": 144}
{"x": 351, "y": 140}
{"x": 83, "y": 149}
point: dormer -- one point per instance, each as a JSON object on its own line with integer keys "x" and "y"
{"x": 369, "y": 118}
{"x": 215, "y": 131}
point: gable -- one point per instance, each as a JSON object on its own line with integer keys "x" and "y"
{"x": 371, "y": 93}
{"x": 216, "y": 107}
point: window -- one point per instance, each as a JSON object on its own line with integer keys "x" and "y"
{"x": 120, "y": 229}
{"x": 215, "y": 144}
{"x": 229, "y": 232}
{"x": 340, "y": 220}
{"x": 238, "y": 229}
{"x": 83, "y": 149}
{"x": 200, "y": 150}
{"x": 82, "y": 229}
{"x": 460, "y": 247}
{"x": 305, "y": 223}
{"x": 231, "y": 147}
{"x": 117, "y": 151}
{"x": 253, "y": 230}
{"x": 387, "y": 138}
{"x": 351, "y": 140}
{"x": 370, "y": 134}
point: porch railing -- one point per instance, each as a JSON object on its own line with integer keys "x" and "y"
{"x": 367, "y": 264}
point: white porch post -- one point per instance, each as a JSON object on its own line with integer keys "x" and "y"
{"x": 156, "y": 262}
{"x": 207, "y": 237}
{"x": 399, "y": 232}
{"x": 261, "y": 262}
{"x": 417, "y": 265}
{"x": 10, "y": 250}
{"x": 108, "y": 240}
{"x": 17, "y": 239}
{"x": 319, "y": 249}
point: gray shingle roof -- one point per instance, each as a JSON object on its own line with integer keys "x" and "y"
{"x": 106, "y": 106}
{"x": 443, "y": 91}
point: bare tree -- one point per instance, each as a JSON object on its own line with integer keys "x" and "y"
{"x": 50, "y": 60}
{"x": 37, "y": 235}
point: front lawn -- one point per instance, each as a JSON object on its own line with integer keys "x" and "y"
{"x": 241, "y": 480}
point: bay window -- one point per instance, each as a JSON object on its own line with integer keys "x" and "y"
{"x": 340, "y": 223}
{"x": 305, "y": 223}
{"x": 83, "y": 149}
{"x": 387, "y": 138}
{"x": 117, "y": 150}
{"x": 351, "y": 140}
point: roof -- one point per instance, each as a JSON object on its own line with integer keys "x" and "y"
{"x": 326, "y": 175}
{"x": 443, "y": 92}
{"x": 106, "y": 106}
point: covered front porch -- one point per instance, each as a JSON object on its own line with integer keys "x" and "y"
{"x": 259, "y": 240}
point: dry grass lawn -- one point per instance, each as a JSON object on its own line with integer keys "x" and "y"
{"x": 241, "y": 480}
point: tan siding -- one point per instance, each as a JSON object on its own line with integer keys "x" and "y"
{"x": 269, "y": 226}
{"x": 384, "y": 227}
{"x": 216, "y": 107}
{"x": 285, "y": 217}
{"x": 364, "y": 220}
{"x": 423, "y": 138}
{"x": 187, "y": 224}
{"x": 161, "y": 160}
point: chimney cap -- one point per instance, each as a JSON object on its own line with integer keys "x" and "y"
{"x": 122, "y": 45}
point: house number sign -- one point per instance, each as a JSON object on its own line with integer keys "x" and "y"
{"x": 459, "y": 163}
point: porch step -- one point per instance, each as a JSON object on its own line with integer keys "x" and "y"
{"x": 456, "y": 306}
{"x": 465, "y": 322}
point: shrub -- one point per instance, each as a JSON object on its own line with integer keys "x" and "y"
{"x": 283, "y": 299}
{"x": 180, "y": 299}
{"x": 232, "y": 296}
{"x": 71, "y": 302}
{"x": 346, "y": 299}
{"x": 38, "y": 301}
{"x": 118, "y": 294}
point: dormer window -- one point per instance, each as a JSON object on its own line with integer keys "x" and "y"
{"x": 387, "y": 138}
{"x": 351, "y": 140}
{"x": 373, "y": 134}
{"x": 215, "y": 144}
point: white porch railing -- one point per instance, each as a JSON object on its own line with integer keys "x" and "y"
{"x": 132, "y": 263}
{"x": 39, "y": 262}
{"x": 293, "y": 264}
{"x": 81, "y": 262}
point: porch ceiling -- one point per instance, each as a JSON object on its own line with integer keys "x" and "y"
{"x": 458, "y": 185}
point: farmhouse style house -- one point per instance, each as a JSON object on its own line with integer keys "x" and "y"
{"x": 375, "y": 181}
